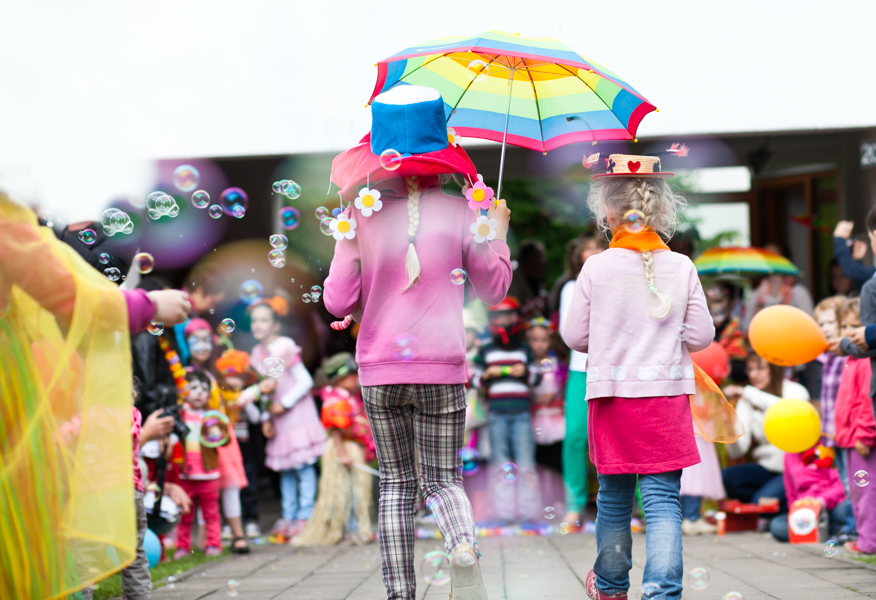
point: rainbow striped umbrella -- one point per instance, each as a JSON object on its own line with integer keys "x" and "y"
{"x": 535, "y": 93}
{"x": 743, "y": 261}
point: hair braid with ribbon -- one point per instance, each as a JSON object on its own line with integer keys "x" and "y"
{"x": 412, "y": 261}
{"x": 645, "y": 200}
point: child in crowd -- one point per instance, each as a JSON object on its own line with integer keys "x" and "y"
{"x": 548, "y": 420}
{"x": 343, "y": 507}
{"x": 296, "y": 437}
{"x": 830, "y": 366}
{"x": 811, "y": 474}
{"x": 856, "y": 432}
{"x": 575, "y": 460}
{"x": 477, "y": 441}
{"x": 503, "y": 369}
{"x": 200, "y": 473}
{"x": 763, "y": 478}
{"x": 203, "y": 354}
{"x": 628, "y": 310}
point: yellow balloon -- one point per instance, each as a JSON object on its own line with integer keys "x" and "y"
{"x": 786, "y": 336}
{"x": 792, "y": 425}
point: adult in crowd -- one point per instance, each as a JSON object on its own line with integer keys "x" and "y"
{"x": 849, "y": 253}
{"x": 777, "y": 289}
{"x": 724, "y": 306}
{"x": 527, "y": 283}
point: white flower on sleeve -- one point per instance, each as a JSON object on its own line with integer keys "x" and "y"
{"x": 484, "y": 229}
{"x": 368, "y": 201}
{"x": 343, "y": 227}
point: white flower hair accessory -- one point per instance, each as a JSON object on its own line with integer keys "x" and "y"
{"x": 452, "y": 138}
{"x": 343, "y": 227}
{"x": 368, "y": 201}
{"x": 484, "y": 229}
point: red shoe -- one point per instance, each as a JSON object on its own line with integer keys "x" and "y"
{"x": 853, "y": 548}
{"x": 595, "y": 594}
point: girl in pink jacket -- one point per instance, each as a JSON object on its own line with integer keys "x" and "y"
{"x": 639, "y": 311}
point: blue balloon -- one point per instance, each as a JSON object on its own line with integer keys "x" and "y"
{"x": 152, "y": 545}
{"x": 336, "y": 211}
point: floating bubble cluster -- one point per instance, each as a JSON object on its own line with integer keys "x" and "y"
{"x": 288, "y": 188}
{"x": 200, "y": 199}
{"x": 116, "y": 221}
{"x": 289, "y": 218}
{"x": 273, "y": 367}
{"x": 159, "y": 204}
{"x": 325, "y": 227}
{"x": 186, "y": 178}
{"x": 322, "y": 213}
{"x": 144, "y": 262}
{"x": 227, "y": 325}
{"x": 232, "y": 198}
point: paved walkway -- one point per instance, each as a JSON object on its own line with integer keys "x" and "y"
{"x": 526, "y": 568}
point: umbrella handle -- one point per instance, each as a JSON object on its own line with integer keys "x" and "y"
{"x": 505, "y": 134}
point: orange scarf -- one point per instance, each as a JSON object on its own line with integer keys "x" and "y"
{"x": 714, "y": 418}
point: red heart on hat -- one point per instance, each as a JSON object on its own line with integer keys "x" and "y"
{"x": 633, "y": 166}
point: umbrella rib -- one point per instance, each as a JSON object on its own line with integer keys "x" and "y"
{"x": 538, "y": 112}
{"x": 470, "y": 83}
{"x": 604, "y": 103}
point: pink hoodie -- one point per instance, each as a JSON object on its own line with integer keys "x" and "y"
{"x": 415, "y": 336}
{"x": 854, "y": 407}
{"x": 802, "y": 481}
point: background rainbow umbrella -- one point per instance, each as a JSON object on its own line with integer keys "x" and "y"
{"x": 743, "y": 261}
{"x": 535, "y": 93}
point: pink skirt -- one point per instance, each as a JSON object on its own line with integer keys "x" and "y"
{"x": 704, "y": 479}
{"x": 299, "y": 438}
{"x": 641, "y": 435}
{"x": 231, "y": 471}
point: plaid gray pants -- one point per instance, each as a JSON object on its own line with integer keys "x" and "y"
{"x": 425, "y": 423}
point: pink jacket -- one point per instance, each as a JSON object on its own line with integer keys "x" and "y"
{"x": 854, "y": 407}
{"x": 631, "y": 353}
{"x": 802, "y": 481}
{"x": 415, "y": 336}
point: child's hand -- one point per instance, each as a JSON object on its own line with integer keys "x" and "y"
{"x": 266, "y": 386}
{"x": 733, "y": 391}
{"x": 492, "y": 372}
{"x": 834, "y": 346}
{"x": 179, "y": 496}
{"x": 862, "y": 449}
{"x": 268, "y": 429}
{"x": 859, "y": 250}
{"x": 500, "y": 211}
{"x": 518, "y": 370}
{"x": 275, "y": 408}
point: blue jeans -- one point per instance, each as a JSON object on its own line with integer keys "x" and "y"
{"x": 512, "y": 440}
{"x": 690, "y": 507}
{"x": 614, "y": 539}
{"x": 750, "y": 482}
{"x": 298, "y": 491}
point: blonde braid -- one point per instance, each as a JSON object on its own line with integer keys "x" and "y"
{"x": 645, "y": 196}
{"x": 412, "y": 261}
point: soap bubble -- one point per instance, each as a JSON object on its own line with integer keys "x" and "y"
{"x": 215, "y": 211}
{"x": 435, "y": 568}
{"x": 564, "y": 529}
{"x": 698, "y": 578}
{"x": 212, "y": 432}
{"x": 547, "y": 364}
{"x": 186, "y": 178}
{"x": 279, "y": 241}
{"x": 155, "y": 327}
{"x": 316, "y": 292}
{"x": 200, "y": 199}
{"x": 325, "y": 227}
{"x": 390, "y": 159}
{"x": 508, "y": 472}
{"x": 233, "y": 197}
{"x": 251, "y": 290}
{"x": 403, "y": 349}
{"x": 478, "y": 70}
{"x": 651, "y": 590}
{"x": 232, "y": 587}
{"x": 159, "y": 204}
{"x": 306, "y": 298}
{"x": 291, "y": 189}
{"x": 458, "y": 276}
{"x": 682, "y": 332}
{"x": 116, "y": 221}
{"x": 277, "y": 258}
{"x": 238, "y": 212}
{"x": 273, "y": 367}
{"x": 831, "y": 548}
{"x": 289, "y": 218}
{"x": 227, "y": 325}
{"x": 732, "y": 596}
{"x": 862, "y": 478}
{"x": 144, "y": 262}
{"x": 104, "y": 258}
{"x": 322, "y": 213}
{"x": 112, "y": 273}
{"x": 87, "y": 236}
{"x": 550, "y": 512}
{"x": 538, "y": 431}
{"x": 634, "y": 221}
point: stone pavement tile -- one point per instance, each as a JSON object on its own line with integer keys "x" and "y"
{"x": 860, "y": 579}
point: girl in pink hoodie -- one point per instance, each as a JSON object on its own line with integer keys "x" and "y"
{"x": 403, "y": 249}
{"x": 639, "y": 311}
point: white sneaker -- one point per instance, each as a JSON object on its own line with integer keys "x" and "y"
{"x": 226, "y": 532}
{"x": 689, "y": 527}
{"x": 466, "y": 581}
{"x": 252, "y": 530}
{"x": 704, "y": 527}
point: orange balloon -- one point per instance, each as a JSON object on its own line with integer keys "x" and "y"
{"x": 714, "y": 361}
{"x": 786, "y": 336}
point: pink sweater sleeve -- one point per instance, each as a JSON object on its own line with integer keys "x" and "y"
{"x": 702, "y": 327}
{"x": 488, "y": 266}
{"x": 343, "y": 286}
{"x": 140, "y": 309}
{"x": 576, "y": 328}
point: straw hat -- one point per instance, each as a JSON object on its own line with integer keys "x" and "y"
{"x": 633, "y": 165}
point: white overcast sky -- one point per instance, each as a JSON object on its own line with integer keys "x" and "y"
{"x": 90, "y": 91}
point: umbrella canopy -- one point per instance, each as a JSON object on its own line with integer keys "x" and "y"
{"x": 556, "y": 96}
{"x": 743, "y": 261}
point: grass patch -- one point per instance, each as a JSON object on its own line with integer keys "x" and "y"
{"x": 111, "y": 587}
{"x": 870, "y": 560}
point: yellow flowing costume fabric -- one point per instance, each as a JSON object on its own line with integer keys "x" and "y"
{"x": 66, "y": 482}
{"x": 714, "y": 418}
